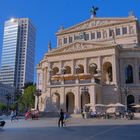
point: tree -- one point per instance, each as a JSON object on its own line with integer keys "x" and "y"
{"x": 2, "y": 107}
{"x": 27, "y": 100}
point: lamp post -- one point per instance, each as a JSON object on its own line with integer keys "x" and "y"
{"x": 84, "y": 90}
{"x": 124, "y": 90}
{"x": 37, "y": 94}
{"x": 8, "y": 98}
{"x": 18, "y": 94}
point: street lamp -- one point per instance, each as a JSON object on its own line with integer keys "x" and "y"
{"x": 37, "y": 94}
{"x": 84, "y": 90}
{"x": 124, "y": 90}
{"x": 8, "y": 98}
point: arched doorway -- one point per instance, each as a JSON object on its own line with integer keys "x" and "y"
{"x": 70, "y": 99}
{"x": 85, "y": 99}
{"x": 56, "y": 101}
{"x": 130, "y": 101}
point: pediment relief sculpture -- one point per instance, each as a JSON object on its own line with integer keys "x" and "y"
{"x": 93, "y": 23}
{"x": 77, "y": 46}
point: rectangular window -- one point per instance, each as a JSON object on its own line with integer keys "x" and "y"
{"x": 70, "y": 39}
{"x": 92, "y": 35}
{"x": 65, "y": 40}
{"x": 86, "y": 36}
{"x": 118, "y": 32}
{"x": 98, "y": 34}
{"x": 124, "y": 30}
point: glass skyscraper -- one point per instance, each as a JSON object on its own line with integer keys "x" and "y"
{"x": 17, "y": 62}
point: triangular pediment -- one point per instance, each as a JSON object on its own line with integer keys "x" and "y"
{"x": 78, "y": 47}
{"x": 96, "y": 22}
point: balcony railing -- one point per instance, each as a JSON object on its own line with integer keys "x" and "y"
{"x": 69, "y": 82}
{"x": 85, "y": 81}
{"x": 55, "y": 82}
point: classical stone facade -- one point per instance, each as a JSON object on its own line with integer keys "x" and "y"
{"x": 93, "y": 63}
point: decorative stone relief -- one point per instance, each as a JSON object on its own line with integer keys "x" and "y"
{"x": 93, "y": 23}
{"x": 93, "y": 60}
{"x": 67, "y": 63}
{"x": 56, "y": 64}
{"x": 132, "y": 30}
{"x": 104, "y": 34}
{"x": 77, "y": 47}
{"x": 79, "y": 62}
{"x": 107, "y": 59}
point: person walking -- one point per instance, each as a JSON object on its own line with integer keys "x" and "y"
{"x": 61, "y": 118}
{"x": 13, "y": 115}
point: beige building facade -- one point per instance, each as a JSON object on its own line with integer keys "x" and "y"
{"x": 95, "y": 62}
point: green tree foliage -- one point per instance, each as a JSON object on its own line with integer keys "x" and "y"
{"x": 2, "y": 107}
{"x": 27, "y": 100}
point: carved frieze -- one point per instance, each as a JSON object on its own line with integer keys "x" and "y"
{"x": 77, "y": 46}
{"x": 93, "y": 23}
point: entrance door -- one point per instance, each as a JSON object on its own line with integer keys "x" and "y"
{"x": 70, "y": 102}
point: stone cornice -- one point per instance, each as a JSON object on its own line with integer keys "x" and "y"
{"x": 93, "y": 46}
{"x": 108, "y": 22}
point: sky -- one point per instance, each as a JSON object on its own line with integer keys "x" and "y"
{"x": 49, "y": 15}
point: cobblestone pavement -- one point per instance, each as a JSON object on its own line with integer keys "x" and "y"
{"x": 76, "y": 129}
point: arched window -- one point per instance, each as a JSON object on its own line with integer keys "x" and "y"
{"x": 67, "y": 70}
{"x": 92, "y": 68}
{"x": 55, "y": 71}
{"x": 129, "y": 74}
{"x": 107, "y": 72}
{"x": 79, "y": 69}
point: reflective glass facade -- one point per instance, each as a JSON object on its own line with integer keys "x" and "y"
{"x": 17, "y": 62}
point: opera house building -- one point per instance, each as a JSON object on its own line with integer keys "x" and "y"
{"x": 94, "y": 62}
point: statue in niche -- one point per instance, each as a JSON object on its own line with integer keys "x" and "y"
{"x": 131, "y": 30}
{"x": 109, "y": 74}
{"x": 104, "y": 34}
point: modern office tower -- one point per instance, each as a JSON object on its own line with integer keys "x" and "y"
{"x": 17, "y": 62}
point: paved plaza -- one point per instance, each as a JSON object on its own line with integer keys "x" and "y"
{"x": 76, "y": 129}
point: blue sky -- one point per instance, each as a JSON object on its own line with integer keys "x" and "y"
{"x": 49, "y": 15}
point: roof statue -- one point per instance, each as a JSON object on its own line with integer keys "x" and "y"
{"x": 94, "y": 11}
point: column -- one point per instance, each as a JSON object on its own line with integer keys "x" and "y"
{"x": 45, "y": 76}
{"x": 49, "y": 74}
{"x": 92, "y": 97}
{"x": 72, "y": 68}
{"x": 99, "y": 63}
{"x": 114, "y": 69}
{"x": 99, "y": 67}
{"x": 77, "y": 101}
{"x": 62, "y": 99}
{"x": 61, "y": 66}
{"x": 136, "y": 72}
{"x": 85, "y": 66}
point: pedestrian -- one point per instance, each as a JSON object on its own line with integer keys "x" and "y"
{"x": 61, "y": 118}
{"x": 13, "y": 115}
